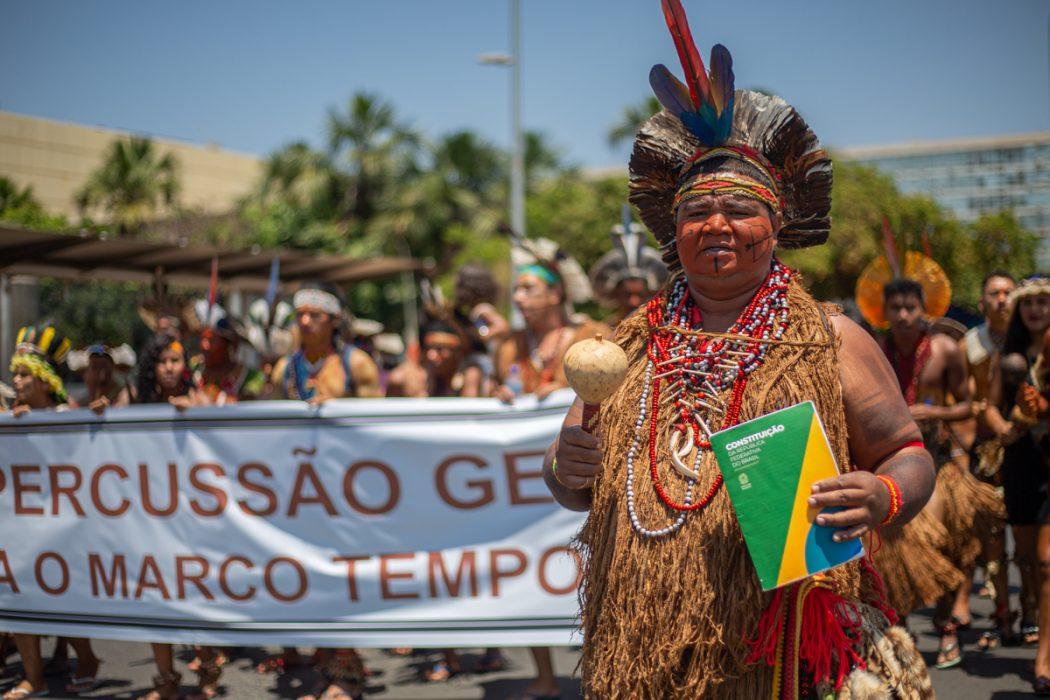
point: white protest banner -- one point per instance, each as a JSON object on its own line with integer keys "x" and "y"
{"x": 395, "y": 522}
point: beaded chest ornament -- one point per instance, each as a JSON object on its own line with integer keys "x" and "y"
{"x": 693, "y": 369}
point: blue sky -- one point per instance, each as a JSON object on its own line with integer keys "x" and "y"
{"x": 252, "y": 75}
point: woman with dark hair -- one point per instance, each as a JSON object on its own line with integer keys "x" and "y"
{"x": 1024, "y": 472}
{"x": 164, "y": 377}
{"x": 1023, "y": 469}
{"x": 163, "y": 372}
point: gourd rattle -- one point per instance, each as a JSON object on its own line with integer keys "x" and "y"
{"x": 595, "y": 368}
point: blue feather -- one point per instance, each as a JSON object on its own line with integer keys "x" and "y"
{"x": 673, "y": 95}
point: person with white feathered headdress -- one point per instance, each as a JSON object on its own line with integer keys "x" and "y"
{"x": 628, "y": 275}
{"x": 104, "y": 369}
{"x": 548, "y": 282}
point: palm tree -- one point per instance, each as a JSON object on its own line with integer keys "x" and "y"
{"x": 374, "y": 147}
{"x": 132, "y": 184}
{"x": 302, "y": 178}
{"x": 632, "y": 119}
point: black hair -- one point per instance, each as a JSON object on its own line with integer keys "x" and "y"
{"x": 993, "y": 274}
{"x": 147, "y": 369}
{"x": 903, "y": 286}
{"x": 475, "y": 285}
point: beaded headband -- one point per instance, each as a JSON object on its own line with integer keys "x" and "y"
{"x": 317, "y": 299}
{"x": 732, "y": 183}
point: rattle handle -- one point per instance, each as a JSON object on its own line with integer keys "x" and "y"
{"x": 590, "y": 417}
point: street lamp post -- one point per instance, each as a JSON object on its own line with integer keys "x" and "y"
{"x": 517, "y": 158}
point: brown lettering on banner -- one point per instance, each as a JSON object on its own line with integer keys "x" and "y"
{"x": 197, "y": 579}
{"x": 173, "y": 491}
{"x": 54, "y": 472}
{"x": 484, "y": 485}
{"x": 224, "y": 578}
{"x": 251, "y": 486}
{"x": 495, "y": 574}
{"x": 96, "y": 490}
{"x": 467, "y": 569}
{"x": 7, "y": 577}
{"x": 545, "y": 583}
{"x": 515, "y": 477}
{"x": 393, "y": 486}
{"x": 214, "y": 491}
{"x": 299, "y": 571}
{"x": 386, "y": 576}
{"x": 118, "y": 573}
{"x": 149, "y": 577}
{"x": 351, "y": 574}
{"x": 20, "y": 488}
{"x": 3, "y": 480}
{"x": 306, "y": 473}
{"x": 38, "y": 570}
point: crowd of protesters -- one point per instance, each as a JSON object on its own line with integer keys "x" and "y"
{"x": 309, "y": 348}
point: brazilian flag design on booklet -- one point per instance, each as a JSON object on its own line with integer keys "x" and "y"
{"x": 769, "y": 465}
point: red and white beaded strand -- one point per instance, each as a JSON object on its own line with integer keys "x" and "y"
{"x": 694, "y": 370}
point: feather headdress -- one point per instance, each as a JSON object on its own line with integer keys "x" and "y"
{"x": 630, "y": 258}
{"x": 705, "y": 113}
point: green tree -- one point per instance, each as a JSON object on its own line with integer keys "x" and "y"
{"x": 631, "y": 120}
{"x": 133, "y": 184}
{"x": 373, "y": 148}
{"x": 19, "y": 206}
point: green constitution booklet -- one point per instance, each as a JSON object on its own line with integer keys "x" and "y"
{"x": 769, "y": 465}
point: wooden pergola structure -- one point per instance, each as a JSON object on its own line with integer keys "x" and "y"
{"x": 86, "y": 256}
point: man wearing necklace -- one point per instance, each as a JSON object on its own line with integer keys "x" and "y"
{"x": 981, "y": 346}
{"x": 672, "y": 606}
{"x": 324, "y": 367}
{"x": 530, "y": 361}
{"x": 931, "y": 372}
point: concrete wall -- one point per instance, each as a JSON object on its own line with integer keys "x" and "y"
{"x": 55, "y": 158}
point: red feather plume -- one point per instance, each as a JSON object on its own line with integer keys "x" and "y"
{"x": 692, "y": 64}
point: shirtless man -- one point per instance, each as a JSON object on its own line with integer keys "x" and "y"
{"x": 931, "y": 371}
{"x": 324, "y": 368}
{"x": 980, "y": 346}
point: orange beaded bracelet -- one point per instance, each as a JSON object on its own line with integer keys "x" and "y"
{"x": 896, "y": 500}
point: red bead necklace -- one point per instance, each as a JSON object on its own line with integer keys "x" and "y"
{"x": 702, "y": 366}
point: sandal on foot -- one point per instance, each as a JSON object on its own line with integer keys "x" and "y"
{"x": 165, "y": 687}
{"x": 1041, "y": 686}
{"x": 948, "y": 656}
{"x": 1029, "y": 634}
{"x": 21, "y": 692}
{"x": 990, "y": 639}
{"x": 82, "y": 684}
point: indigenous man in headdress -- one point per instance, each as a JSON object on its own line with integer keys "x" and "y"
{"x": 221, "y": 377}
{"x": 931, "y": 372}
{"x": 629, "y": 274}
{"x": 324, "y": 367}
{"x": 672, "y": 605}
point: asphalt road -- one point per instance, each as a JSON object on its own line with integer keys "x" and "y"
{"x": 1003, "y": 674}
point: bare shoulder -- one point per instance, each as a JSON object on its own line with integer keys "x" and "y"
{"x": 853, "y": 338}
{"x": 943, "y": 344}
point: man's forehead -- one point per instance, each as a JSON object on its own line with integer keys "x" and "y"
{"x": 901, "y": 298}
